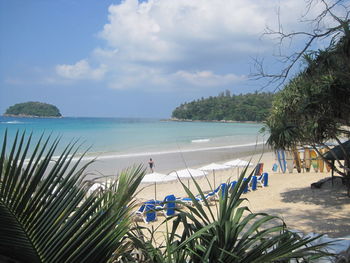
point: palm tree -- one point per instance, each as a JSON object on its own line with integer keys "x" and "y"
{"x": 46, "y": 214}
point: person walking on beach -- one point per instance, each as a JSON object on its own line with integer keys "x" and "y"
{"x": 151, "y": 164}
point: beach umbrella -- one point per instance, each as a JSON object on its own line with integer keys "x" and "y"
{"x": 214, "y": 167}
{"x": 237, "y": 163}
{"x": 157, "y": 178}
{"x": 188, "y": 173}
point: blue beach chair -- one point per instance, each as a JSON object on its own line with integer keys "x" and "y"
{"x": 266, "y": 179}
{"x": 219, "y": 191}
{"x": 211, "y": 195}
{"x": 232, "y": 185}
{"x": 263, "y": 180}
{"x": 246, "y": 188}
{"x": 208, "y": 197}
{"x": 188, "y": 200}
{"x": 253, "y": 183}
{"x": 147, "y": 211}
{"x": 168, "y": 205}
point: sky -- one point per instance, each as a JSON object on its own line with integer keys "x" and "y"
{"x": 104, "y": 58}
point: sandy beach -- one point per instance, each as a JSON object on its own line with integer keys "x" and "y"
{"x": 288, "y": 196}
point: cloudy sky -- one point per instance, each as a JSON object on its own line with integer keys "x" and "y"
{"x": 135, "y": 58}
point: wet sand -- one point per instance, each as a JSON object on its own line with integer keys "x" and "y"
{"x": 167, "y": 162}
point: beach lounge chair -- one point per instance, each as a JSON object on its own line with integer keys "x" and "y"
{"x": 188, "y": 200}
{"x": 231, "y": 186}
{"x": 213, "y": 193}
{"x": 263, "y": 180}
{"x": 253, "y": 183}
{"x": 222, "y": 190}
{"x": 147, "y": 211}
{"x": 168, "y": 205}
{"x": 209, "y": 197}
{"x": 246, "y": 188}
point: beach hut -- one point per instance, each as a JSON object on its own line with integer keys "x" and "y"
{"x": 214, "y": 167}
{"x": 157, "y": 178}
{"x": 337, "y": 153}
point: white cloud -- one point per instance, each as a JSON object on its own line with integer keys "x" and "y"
{"x": 81, "y": 70}
{"x": 208, "y": 78}
{"x": 161, "y": 43}
{"x": 170, "y": 31}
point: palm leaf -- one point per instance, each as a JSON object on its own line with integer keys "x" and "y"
{"x": 45, "y": 214}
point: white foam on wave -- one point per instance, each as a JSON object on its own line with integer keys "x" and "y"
{"x": 13, "y": 122}
{"x": 200, "y": 140}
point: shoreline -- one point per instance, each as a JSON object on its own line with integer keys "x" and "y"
{"x": 31, "y": 116}
{"x": 168, "y": 161}
{"x": 215, "y": 121}
{"x": 117, "y": 155}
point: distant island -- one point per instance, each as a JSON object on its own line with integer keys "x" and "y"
{"x": 33, "y": 109}
{"x": 251, "y": 107}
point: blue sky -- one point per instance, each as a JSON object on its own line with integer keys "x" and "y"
{"x": 135, "y": 59}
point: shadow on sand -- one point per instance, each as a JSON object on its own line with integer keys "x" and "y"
{"x": 321, "y": 220}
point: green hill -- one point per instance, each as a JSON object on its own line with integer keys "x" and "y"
{"x": 247, "y": 107}
{"x": 33, "y": 109}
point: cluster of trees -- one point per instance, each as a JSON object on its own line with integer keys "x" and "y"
{"x": 47, "y": 215}
{"x": 36, "y": 109}
{"x": 314, "y": 107}
{"x": 247, "y": 107}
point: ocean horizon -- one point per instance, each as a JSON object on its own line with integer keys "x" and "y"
{"x": 128, "y": 137}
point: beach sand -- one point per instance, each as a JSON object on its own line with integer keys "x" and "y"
{"x": 288, "y": 196}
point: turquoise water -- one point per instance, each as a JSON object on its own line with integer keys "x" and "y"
{"x": 132, "y": 136}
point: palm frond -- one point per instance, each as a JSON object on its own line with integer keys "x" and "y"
{"x": 45, "y": 213}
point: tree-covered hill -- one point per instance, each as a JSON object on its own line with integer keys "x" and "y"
{"x": 247, "y": 107}
{"x": 33, "y": 109}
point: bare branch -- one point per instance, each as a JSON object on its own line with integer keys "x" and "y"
{"x": 319, "y": 32}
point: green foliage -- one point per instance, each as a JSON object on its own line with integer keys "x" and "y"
{"x": 314, "y": 106}
{"x": 37, "y": 109}
{"x": 46, "y": 214}
{"x": 248, "y": 107}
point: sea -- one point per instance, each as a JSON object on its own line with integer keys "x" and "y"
{"x": 133, "y": 136}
